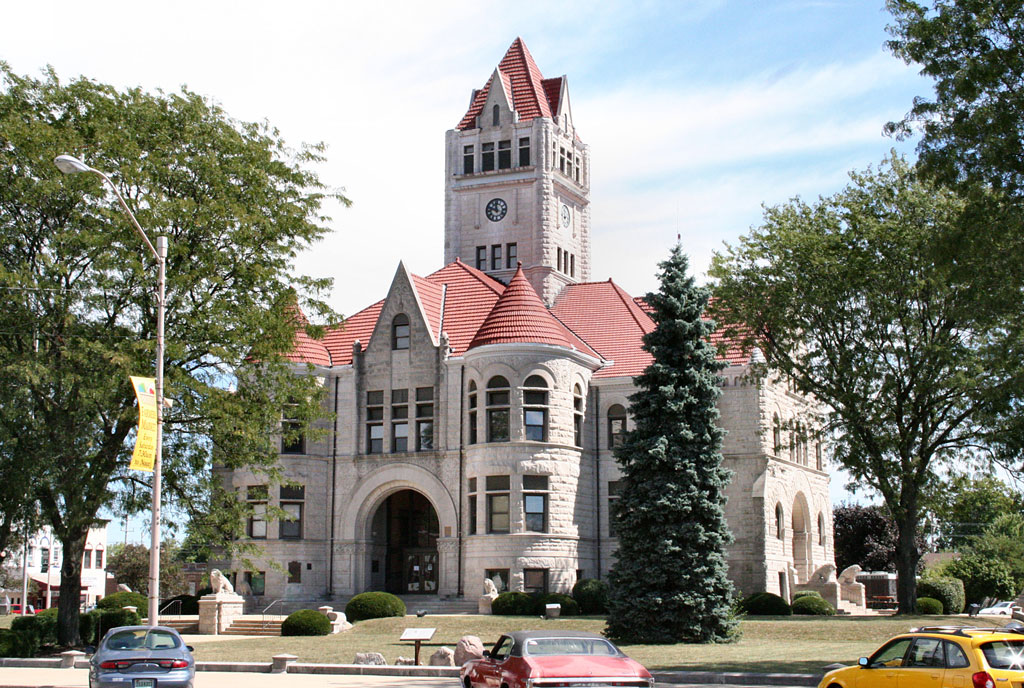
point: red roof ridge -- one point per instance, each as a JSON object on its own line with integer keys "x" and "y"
{"x": 491, "y": 283}
{"x": 523, "y": 84}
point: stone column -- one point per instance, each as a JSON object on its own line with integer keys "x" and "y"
{"x": 218, "y": 611}
{"x": 448, "y": 566}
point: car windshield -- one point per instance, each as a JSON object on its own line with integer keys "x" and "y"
{"x": 142, "y": 639}
{"x": 1004, "y": 654}
{"x": 570, "y": 646}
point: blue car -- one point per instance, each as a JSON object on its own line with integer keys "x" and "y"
{"x": 142, "y": 657}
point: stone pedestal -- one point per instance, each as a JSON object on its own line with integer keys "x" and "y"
{"x": 218, "y": 611}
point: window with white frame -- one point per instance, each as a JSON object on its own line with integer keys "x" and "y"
{"x": 424, "y": 418}
{"x": 293, "y": 498}
{"x": 535, "y": 503}
{"x": 535, "y": 409}
{"x": 616, "y": 425}
{"x": 472, "y": 413}
{"x": 577, "y": 415}
{"x": 375, "y": 422}
{"x": 498, "y": 494}
{"x": 498, "y": 392}
{"x": 256, "y": 496}
{"x": 399, "y": 420}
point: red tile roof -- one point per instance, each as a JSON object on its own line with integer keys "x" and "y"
{"x": 431, "y": 296}
{"x": 522, "y": 78}
{"x": 553, "y": 91}
{"x": 520, "y": 316}
{"x": 470, "y": 296}
{"x": 309, "y": 350}
{"x": 734, "y": 353}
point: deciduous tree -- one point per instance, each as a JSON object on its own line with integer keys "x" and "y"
{"x": 669, "y": 583}
{"x": 80, "y": 311}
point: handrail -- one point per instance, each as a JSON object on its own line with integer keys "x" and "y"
{"x": 263, "y": 620}
{"x": 169, "y": 605}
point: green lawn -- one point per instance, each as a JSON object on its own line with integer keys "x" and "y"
{"x": 768, "y": 644}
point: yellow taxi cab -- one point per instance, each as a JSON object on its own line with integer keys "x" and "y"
{"x": 940, "y": 657}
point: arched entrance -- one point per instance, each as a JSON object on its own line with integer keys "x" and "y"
{"x": 801, "y": 538}
{"x": 405, "y": 529}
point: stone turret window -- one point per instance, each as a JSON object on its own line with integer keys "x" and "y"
{"x": 535, "y": 581}
{"x": 472, "y": 413}
{"x": 524, "y": 151}
{"x": 293, "y": 499}
{"x": 780, "y": 522}
{"x": 400, "y": 332}
{"x": 577, "y": 415}
{"x": 497, "y": 503}
{"x": 616, "y": 425}
{"x": 497, "y": 409}
{"x": 471, "y": 506}
{"x": 535, "y": 409}
{"x": 535, "y": 503}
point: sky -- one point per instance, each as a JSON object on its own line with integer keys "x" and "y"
{"x": 697, "y": 112}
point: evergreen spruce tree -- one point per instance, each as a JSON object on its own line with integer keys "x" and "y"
{"x": 669, "y": 581}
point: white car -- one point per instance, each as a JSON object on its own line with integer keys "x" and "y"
{"x": 999, "y": 609}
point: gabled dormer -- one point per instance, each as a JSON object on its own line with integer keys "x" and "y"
{"x": 410, "y": 317}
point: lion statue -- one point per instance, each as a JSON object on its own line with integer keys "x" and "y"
{"x": 220, "y": 583}
{"x": 121, "y": 587}
{"x": 490, "y": 590}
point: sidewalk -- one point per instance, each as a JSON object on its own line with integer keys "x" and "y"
{"x": 79, "y": 678}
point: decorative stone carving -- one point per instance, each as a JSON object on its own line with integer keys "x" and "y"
{"x": 444, "y": 656}
{"x": 490, "y": 594}
{"x": 339, "y": 622}
{"x": 469, "y": 647}
{"x": 405, "y": 661}
{"x": 217, "y": 611}
{"x": 219, "y": 582}
{"x": 372, "y": 658}
{"x": 849, "y": 575}
{"x": 824, "y": 574}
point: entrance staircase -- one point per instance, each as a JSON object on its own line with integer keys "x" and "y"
{"x": 256, "y": 625}
{"x": 434, "y": 604}
{"x": 182, "y": 623}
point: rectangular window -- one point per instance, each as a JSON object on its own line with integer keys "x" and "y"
{"x": 99, "y": 558}
{"x": 292, "y": 499}
{"x": 561, "y": 160}
{"x": 496, "y": 257}
{"x": 257, "y": 496}
{"x": 375, "y": 422}
{"x": 535, "y": 415}
{"x": 524, "y": 152}
{"x": 472, "y": 506}
{"x": 535, "y": 502}
{"x": 579, "y": 164}
{"x": 511, "y": 256}
{"x": 294, "y": 572}
{"x": 614, "y": 488}
{"x": 467, "y": 159}
{"x": 559, "y": 260}
{"x": 424, "y": 418}
{"x": 499, "y": 577}
{"x": 472, "y": 418}
{"x": 504, "y": 155}
{"x": 44, "y": 559}
{"x": 487, "y": 157}
{"x": 399, "y": 420}
{"x": 292, "y": 441}
{"x": 257, "y": 581}
{"x": 572, "y": 265}
{"x": 497, "y": 425}
{"x": 498, "y": 503}
{"x": 481, "y": 257}
{"x": 535, "y": 581}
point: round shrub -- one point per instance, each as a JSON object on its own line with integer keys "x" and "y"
{"x": 569, "y": 605}
{"x": 948, "y": 591}
{"x": 513, "y": 604}
{"x": 592, "y": 596}
{"x": 120, "y": 600}
{"x": 765, "y": 604}
{"x": 806, "y": 593}
{"x": 15, "y": 644}
{"x": 812, "y": 605}
{"x": 928, "y": 605}
{"x": 373, "y": 605}
{"x": 306, "y": 622}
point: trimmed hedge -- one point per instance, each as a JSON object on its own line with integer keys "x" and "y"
{"x": 812, "y": 605}
{"x": 306, "y": 622}
{"x": 569, "y": 606}
{"x": 928, "y": 605}
{"x": 124, "y": 599}
{"x": 591, "y": 595}
{"x": 948, "y": 591}
{"x": 92, "y": 626}
{"x": 765, "y": 604}
{"x": 513, "y": 604}
{"x": 806, "y": 593}
{"x": 42, "y": 625}
{"x": 15, "y": 644}
{"x": 373, "y": 605}
{"x": 189, "y": 604}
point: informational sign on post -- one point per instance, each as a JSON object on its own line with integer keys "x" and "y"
{"x": 144, "y": 455}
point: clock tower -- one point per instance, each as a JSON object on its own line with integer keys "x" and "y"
{"x": 517, "y": 180}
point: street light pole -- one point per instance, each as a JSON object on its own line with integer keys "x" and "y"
{"x": 69, "y": 164}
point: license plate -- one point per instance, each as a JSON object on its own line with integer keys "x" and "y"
{"x": 144, "y": 683}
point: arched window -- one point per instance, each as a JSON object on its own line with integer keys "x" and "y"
{"x": 495, "y": 116}
{"x": 817, "y": 455}
{"x": 616, "y": 425}
{"x": 400, "y": 332}
{"x": 535, "y": 409}
{"x": 472, "y": 412}
{"x": 776, "y": 435}
{"x": 821, "y": 529}
{"x": 577, "y": 417}
{"x": 792, "y": 443}
{"x": 497, "y": 409}
{"x": 780, "y": 522}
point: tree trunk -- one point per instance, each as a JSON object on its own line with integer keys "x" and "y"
{"x": 70, "y": 590}
{"x": 907, "y": 557}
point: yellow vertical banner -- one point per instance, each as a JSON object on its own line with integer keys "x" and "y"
{"x": 144, "y": 455}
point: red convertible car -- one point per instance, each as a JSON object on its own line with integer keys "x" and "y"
{"x": 536, "y": 659}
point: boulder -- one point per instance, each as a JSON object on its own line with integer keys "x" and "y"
{"x": 444, "y": 656}
{"x": 374, "y": 658}
{"x": 405, "y": 661}
{"x": 469, "y": 647}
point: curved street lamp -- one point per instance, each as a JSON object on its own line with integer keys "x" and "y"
{"x": 68, "y": 164}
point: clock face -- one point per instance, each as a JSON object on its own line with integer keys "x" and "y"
{"x": 496, "y": 209}
{"x": 566, "y": 215}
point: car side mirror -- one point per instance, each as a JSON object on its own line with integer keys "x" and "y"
{"x": 190, "y": 648}
{"x": 864, "y": 662}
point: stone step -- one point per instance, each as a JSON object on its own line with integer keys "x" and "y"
{"x": 251, "y": 626}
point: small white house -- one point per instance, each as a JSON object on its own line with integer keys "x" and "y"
{"x": 45, "y": 557}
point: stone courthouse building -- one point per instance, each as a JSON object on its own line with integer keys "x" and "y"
{"x": 476, "y": 408}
